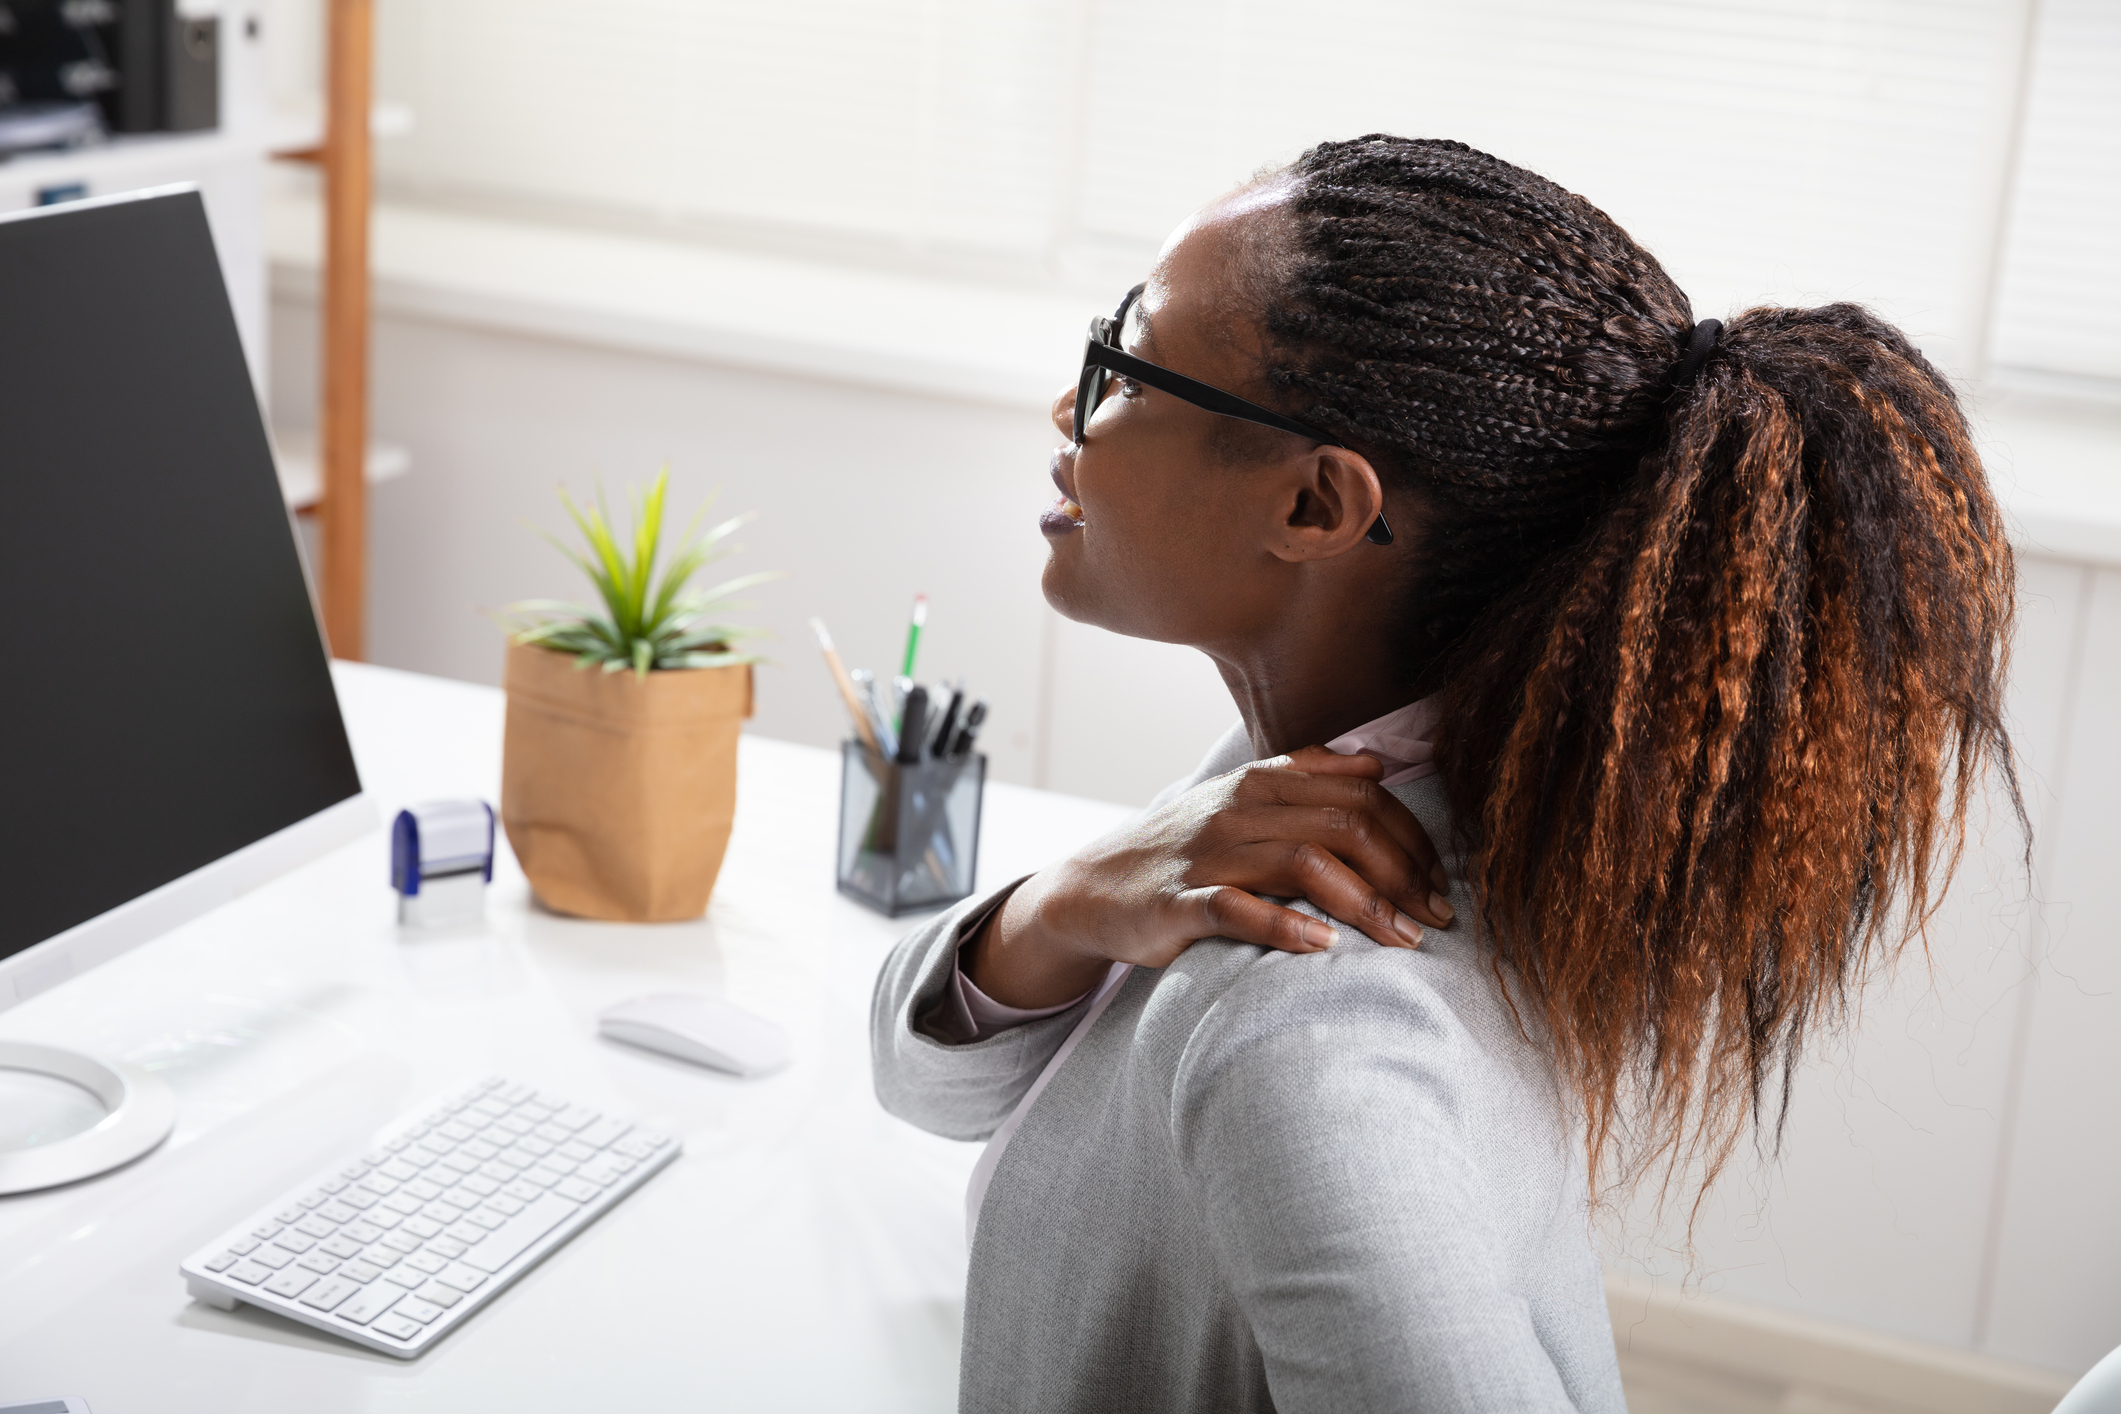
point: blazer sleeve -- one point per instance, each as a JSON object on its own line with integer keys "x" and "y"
{"x": 926, "y": 1073}
{"x": 1323, "y": 1134}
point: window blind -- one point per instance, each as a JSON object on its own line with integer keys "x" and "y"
{"x": 1786, "y": 151}
{"x": 2059, "y": 303}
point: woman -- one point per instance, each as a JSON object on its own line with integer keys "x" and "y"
{"x": 1684, "y": 645}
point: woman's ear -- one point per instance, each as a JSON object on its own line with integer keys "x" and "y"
{"x": 1330, "y": 499}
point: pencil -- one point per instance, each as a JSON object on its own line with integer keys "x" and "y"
{"x": 846, "y": 686}
{"x": 913, "y": 633}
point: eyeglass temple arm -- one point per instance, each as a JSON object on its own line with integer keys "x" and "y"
{"x": 1201, "y": 395}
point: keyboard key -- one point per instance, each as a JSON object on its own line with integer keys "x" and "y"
{"x": 243, "y": 1246}
{"x": 291, "y": 1283}
{"x": 488, "y": 1180}
{"x": 425, "y": 1227}
{"x": 405, "y": 1277}
{"x": 515, "y": 1094}
{"x": 333, "y": 1185}
{"x": 527, "y": 1192}
{"x": 532, "y": 1145}
{"x": 462, "y": 1277}
{"x": 640, "y": 1144}
{"x": 395, "y": 1326}
{"x": 397, "y": 1142}
{"x": 486, "y": 1218}
{"x": 439, "y": 1294}
{"x": 468, "y": 1233}
{"x": 426, "y": 1262}
{"x": 249, "y": 1273}
{"x": 407, "y": 1241}
{"x": 421, "y": 1311}
{"x": 520, "y": 1232}
{"x": 264, "y": 1231}
{"x": 328, "y": 1293}
{"x": 448, "y": 1247}
{"x": 508, "y": 1206}
{"x": 360, "y": 1272}
{"x": 316, "y": 1226}
{"x": 456, "y": 1131}
{"x": 419, "y": 1156}
{"x": 319, "y": 1262}
{"x": 576, "y": 1117}
{"x": 479, "y": 1149}
{"x": 311, "y": 1200}
{"x": 221, "y": 1263}
{"x": 369, "y": 1303}
{"x": 354, "y": 1172}
{"x": 275, "y": 1257}
{"x": 421, "y": 1189}
{"x": 295, "y": 1242}
{"x": 461, "y": 1198}
{"x": 462, "y": 1163}
{"x": 491, "y": 1108}
{"x": 377, "y": 1184}
{"x": 358, "y": 1198}
{"x": 337, "y": 1213}
{"x": 442, "y": 1212}
{"x": 363, "y": 1232}
{"x": 290, "y": 1214}
{"x": 404, "y": 1203}
{"x": 341, "y": 1247}
{"x": 550, "y": 1131}
{"x": 600, "y": 1171}
{"x": 603, "y": 1132}
{"x": 514, "y": 1124}
{"x": 619, "y": 1161}
{"x": 576, "y": 1189}
{"x": 561, "y": 1165}
{"x": 542, "y": 1176}
{"x": 384, "y": 1217}
{"x": 381, "y": 1256}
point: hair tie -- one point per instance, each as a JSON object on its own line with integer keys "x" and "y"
{"x": 1698, "y": 346}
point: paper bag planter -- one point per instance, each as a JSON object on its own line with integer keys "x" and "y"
{"x": 618, "y": 790}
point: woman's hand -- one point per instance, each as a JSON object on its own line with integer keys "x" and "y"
{"x": 1313, "y": 824}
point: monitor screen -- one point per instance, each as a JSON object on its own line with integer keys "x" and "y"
{"x": 167, "y": 697}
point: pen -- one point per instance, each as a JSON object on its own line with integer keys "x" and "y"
{"x": 845, "y": 685}
{"x": 912, "y": 732}
{"x": 948, "y": 725}
{"x": 879, "y": 721}
{"x": 969, "y": 733}
{"x": 913, "y": 633}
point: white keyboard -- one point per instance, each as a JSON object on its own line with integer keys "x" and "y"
{"x": 400, "y": 1246}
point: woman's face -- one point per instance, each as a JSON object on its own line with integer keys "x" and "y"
{"x": 1173, "y": 539}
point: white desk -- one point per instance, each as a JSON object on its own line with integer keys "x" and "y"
{"x": 806, "y": 1252}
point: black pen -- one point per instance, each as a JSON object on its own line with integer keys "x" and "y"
{"x": 941, "y": 749}
{"x": 912, "y": 731}
{"x": 969, "y": 732}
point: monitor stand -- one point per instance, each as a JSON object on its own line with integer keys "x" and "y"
{"x": 139, "y": 1110}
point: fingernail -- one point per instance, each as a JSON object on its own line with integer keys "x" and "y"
{"x": 1408, "y": 928}
{"x": 1441, "y": 907}
{"x": 1318, "y": 935}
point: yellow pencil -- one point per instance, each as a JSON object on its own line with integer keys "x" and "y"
{"x": 846, "y": 686}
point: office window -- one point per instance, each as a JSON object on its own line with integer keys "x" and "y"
{"x": 2059, "y": 303}
{"x": 1767, "y": 150}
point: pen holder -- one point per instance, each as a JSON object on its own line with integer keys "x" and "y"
{"x": 909, "y": 835}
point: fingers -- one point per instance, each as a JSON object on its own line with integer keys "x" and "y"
{"x": 1318, "y": 761}
{"x": 1221, "y": 911}
{"x": 1359, "y": 820}
{"x": 1308, "y": 870}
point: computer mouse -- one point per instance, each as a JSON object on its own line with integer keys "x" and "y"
{"x": 703, "y": 1030}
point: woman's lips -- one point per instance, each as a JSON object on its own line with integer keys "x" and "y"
{"x": 1064, "y": 516}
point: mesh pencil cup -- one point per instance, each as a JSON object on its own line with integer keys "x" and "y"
{"x": 909, "y": 834}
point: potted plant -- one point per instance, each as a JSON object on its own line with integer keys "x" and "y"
{"x": 618, "y": 768}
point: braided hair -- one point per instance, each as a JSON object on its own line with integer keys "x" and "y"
{"x": 1721, "y": 655}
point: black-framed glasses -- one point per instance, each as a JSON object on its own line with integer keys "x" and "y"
{"x": 1103, "y": 357}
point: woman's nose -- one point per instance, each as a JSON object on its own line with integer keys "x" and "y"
{"x": 1064, "y": 412}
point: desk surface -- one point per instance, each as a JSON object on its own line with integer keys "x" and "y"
{"x": 806, "y": 1252}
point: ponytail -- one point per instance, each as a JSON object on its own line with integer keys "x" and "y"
{"x": 1721, "y": 640}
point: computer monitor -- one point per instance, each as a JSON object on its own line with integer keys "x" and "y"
{"x": 170, "y": 730}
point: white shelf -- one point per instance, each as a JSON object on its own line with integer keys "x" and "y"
{"x": 301, "y": 481}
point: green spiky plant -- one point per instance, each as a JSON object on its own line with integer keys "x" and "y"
{"x": 650, "y": 621}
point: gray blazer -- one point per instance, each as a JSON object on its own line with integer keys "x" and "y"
{"x": 1336, "y": 1181}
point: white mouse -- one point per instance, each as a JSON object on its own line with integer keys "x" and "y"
{"x": 703, "y": 1030}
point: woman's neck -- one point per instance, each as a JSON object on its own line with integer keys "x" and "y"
{"x": 1311, "y": 693}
